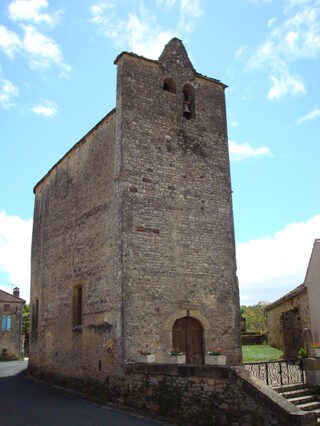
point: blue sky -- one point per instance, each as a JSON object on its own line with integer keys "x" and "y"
{"x": 57, "y": 80}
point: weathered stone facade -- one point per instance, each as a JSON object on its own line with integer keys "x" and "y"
{"x": 11, "y": 308}
{"x": 287, "y": 317}
{"x": 133, "y": 227}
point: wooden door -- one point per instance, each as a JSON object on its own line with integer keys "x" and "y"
{"x": 187, "y": 337}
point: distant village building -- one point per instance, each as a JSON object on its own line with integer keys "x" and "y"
{"x": 11, "y": 310}
{"x": 133, "y": 241}
{"x": 297, "y": 313}
{"x": 286, "y": 318}
{"x": 312, "y": 282}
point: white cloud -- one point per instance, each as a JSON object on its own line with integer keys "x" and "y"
{"x": 259, "y": 1}
{"x": 15, "y": 248}
{"x": 42, "y": 51}
{"x": 46, "y": 108}
{"x": 296, "y": 38}
{"x": 168, "y": 3}
{"x": 232, "y": 122}
{"x": 10, "y": 42}
{"x": 242, "y": 151}
{"x": 31, "y": 11}
{"x": 240, "y": 52}
{"x": 277, "y": 262}
{"x": 190, "y": 11}
{"x": 7, "y": 91}
{"x": 271, "y": 21}
{"x": 285, "y": 84}
{"x": 140, "y": 31}
{"x": 310, "y": 116}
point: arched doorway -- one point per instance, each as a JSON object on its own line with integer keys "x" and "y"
{"x": 187, "y": 336}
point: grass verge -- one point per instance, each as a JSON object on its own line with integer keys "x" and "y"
{"x": 257, "y": 353}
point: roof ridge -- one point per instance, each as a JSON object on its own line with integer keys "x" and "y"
{"x": 11, "y": 295}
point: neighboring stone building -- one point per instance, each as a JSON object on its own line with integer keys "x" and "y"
{"x": 312, "y": 282}
{"x": 297, "y": 311}
{"x": 286, "y": 318}
{"x": 11, "y": 309}
{"x": 133, "y": 241}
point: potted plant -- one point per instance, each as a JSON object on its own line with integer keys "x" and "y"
{"x": 176, "y": 356}
{"x": 147, "y": 356}
{"x": 214, "y": 356}
{"x": 315, "y": 350}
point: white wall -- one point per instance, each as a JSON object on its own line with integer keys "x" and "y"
{"x": 313, "y": 284}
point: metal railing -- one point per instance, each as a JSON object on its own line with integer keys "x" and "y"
{"x": 277, "y": 373}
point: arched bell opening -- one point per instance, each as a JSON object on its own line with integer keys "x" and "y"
{"x": 187, "y": 337}
{"x": 169, "y": 85}
{"x": 188, "y": 102}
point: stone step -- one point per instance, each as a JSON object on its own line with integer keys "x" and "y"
{"x": 286, "y": 388}
{"x": 295, "y": 393}
{"x": 303, "y": 399}
{"x": 317, "y": 412}
{"x": 309, "y": 406}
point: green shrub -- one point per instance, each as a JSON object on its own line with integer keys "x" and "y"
{"x": 302, "y": 353}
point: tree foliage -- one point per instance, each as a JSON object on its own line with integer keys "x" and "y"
{"x": 256, "y": 318}
{"x": 25, "y": 318}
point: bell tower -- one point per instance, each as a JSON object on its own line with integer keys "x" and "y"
{"x": 175, "y": 209}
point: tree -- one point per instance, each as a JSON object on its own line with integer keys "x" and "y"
{"x": 256, "y": 319}
{"x": 25, "y": 319}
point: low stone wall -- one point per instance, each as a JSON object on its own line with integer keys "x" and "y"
{"x": 193, "y": 395}
{"x": 253, "y": 339}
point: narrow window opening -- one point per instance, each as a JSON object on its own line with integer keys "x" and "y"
{"x": 35, "y": 317}
{"x": 77, "y": 305}
{"x": 188, "y": 102}
{"x": 169, "y": 85}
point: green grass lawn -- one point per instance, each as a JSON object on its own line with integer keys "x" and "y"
{"x": 256, "y": 353}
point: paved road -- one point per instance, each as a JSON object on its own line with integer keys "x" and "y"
{"x": 25, "y": 403}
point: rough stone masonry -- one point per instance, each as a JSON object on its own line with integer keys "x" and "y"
{"x": 133, "y": 241}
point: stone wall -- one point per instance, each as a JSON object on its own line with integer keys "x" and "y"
{"x": 291, "y": 332}
{"x": 313, "y": 285}
{"x": 275, "y": 334}
{"x": 193, "y": 395}
{"x": 174, "y": 180}
{"x": 11, "y": 339}
{"x": 75, "y": 243}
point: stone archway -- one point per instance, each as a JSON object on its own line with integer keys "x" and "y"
{"x": 187, "y": 336}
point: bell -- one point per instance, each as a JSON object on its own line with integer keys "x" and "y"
{"x": 186, "y": 108}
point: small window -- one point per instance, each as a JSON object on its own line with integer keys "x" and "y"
{"x": 35, "y": 316}
{"x": 6, "y": 322}
{"x": 169, "y": 85}
{"x": 77, "y": 305}
{"x": 188, "y": 102}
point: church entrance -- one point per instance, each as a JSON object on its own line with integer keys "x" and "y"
{"x": 187, "y": 337}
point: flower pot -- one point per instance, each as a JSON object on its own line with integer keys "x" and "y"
{"x": 181, "y": 359}
{"x": 315, "y": 353}
{"x": 150, "y": 358}
{"x": 216, "y": 359}
{"x": 147, "y": 358}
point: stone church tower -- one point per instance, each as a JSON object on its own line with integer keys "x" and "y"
{"x": 133, "y": 242}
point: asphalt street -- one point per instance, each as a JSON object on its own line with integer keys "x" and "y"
{"x": 27, "y": 403}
